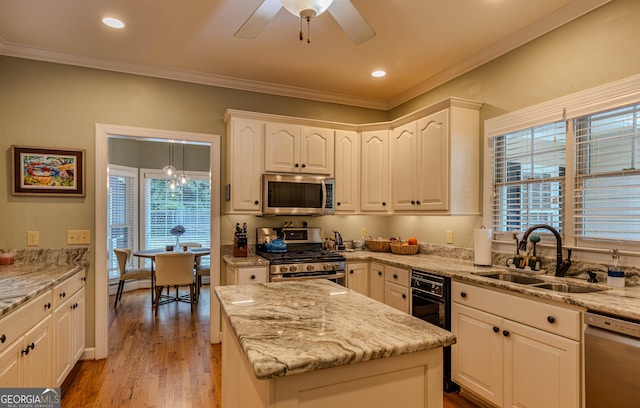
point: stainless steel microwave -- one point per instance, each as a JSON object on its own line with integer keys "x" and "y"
{"x": 288, "y": 194}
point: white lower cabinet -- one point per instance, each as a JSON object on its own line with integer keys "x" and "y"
{"x": 525, "y": 363}
{"x": 68, "y": 320}
{"x": 25, "y": 336}
{"x": 396, "y": 288}
{"x": 358, "y": 278}
{"x": 376, "y": 281}
{"x": 242, "y": 275}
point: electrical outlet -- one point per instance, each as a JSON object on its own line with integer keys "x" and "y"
{"x": 33, "y": 238}
{"x": 78, "y": 237}
{"x": 449, "y": 236}
{"x": 363, "y": 232}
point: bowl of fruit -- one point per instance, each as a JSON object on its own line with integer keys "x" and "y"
{"x": 408, "y": 247}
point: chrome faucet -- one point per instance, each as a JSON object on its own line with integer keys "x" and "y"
{"x": 561, "y": 265}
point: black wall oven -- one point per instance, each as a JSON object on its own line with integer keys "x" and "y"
{"x": 431, "y": 302}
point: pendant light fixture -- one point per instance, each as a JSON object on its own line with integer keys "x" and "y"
{"x": 169, "y": 170}
{"x": 183, "y": 178}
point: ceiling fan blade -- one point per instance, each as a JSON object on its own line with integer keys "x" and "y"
{"x": 259, "y": 19}
{"x": 351, "y": 21}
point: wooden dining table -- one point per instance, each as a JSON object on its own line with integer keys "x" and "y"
{"x": 151, "y": 253}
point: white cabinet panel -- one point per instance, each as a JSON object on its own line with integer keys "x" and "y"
{"x": 347, "y": 171}
{"x": 374, "y": 179}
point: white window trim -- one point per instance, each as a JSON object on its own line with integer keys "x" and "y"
{"x": 158, "y": 174}
{"x": 125, "y": 171}
{"x": 605, "y": 97}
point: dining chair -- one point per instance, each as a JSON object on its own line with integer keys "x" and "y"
{"x": 200, "y": 269}
{"x": 123, "y": 255}
{"x": 174, "y": 269}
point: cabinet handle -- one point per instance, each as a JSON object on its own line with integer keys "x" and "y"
{"x": 256, "y": 202}
{"x": 379, "y": 273}
{"x": 29, "y": 347}
{"x": 84, "y": 278}
{"x": 253, "y": 277}
{"x": 304, "y": 165}
{"x": 47, "y": 305}
{"x": 413, "y": 202}
{"x": 63, "y": 294}
{"x": 338, "y": 203}
{"x": 404, "y": 296}
{"x": 3, "y": 338}
{"x": 463, "y": 294}
{"x": 395, "y": 276}
{"x": 418, "y": 202}
{"x": 296, "y": 165}
{"x": 496, "y": 329}
{"x": 551, "y": 319}
{"x": 506, "y": 333}
{"x": 384, "y": 203}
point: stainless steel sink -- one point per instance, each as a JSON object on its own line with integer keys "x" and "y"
{"x": 568, "y": 288}
{"x": 514, "y": 278}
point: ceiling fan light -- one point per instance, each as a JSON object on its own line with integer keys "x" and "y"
{"x": 306, "y": 8}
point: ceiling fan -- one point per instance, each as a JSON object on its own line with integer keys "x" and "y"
{"x": 343, "y": 11}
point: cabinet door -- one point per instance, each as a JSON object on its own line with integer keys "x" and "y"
{"x": 9, "y": 361}
{"x": 433, "y": 150}
{"x": 374, "y": 178}
{"x": 477, "y": 356}
{"x": 376, "y": 281}
{"x": 358, "y": 278}
{"x": 246, "y": 141}
{"x": 316, "y": 150}
{"x": 62, "y": 322}
{"x": 36, "y": 365}
{"x": 347, "y": 171}
{"x": 77, "y": 326}
{"x": 404, "y": 170}
{"x": 258, "y": 274}
{"x": 282, "y": 148}
{"x": 551, "y": 362}
{"x": 396, "y": 296}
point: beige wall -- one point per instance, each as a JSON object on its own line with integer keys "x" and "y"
{"x": 44, "y": 104}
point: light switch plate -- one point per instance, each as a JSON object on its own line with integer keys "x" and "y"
{"x": 78, "y": 237}
{"x": 449, "y": 236}
{"x": 33, "y": 238}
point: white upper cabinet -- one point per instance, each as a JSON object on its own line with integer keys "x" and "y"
{"x": 347, "y": 171}
{"x": 244, "y": 166}
{"x": 435, "y": 161}
{"x": 298, "y": 149}
{"x": 374, "y": 177}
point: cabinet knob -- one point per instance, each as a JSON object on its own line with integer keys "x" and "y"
{"x": 256, "y": 202}
{"x": 338, "y": 203}
{"x": 463, "y": 294}
{"x": 384, "y": 203}
{"x": 253, "y": 277}
{"x": 296, "y": 165}
{"x": 395, "y": 276}
{"x": 3, "y": 338}
{"x": 379, "y": 273}
{"x": 505, "y": 333}
{"x": 551, "y": 319}
{"x": 496, "y": 329}
{"x": 351, "y": 271}
{"x": 418, "y": 202}
{"x": 413, "y": 202}
{"x": 63, "y": 294}
{"x": 304, "y": 165}
{"x": 47, "y": 305}
{"x": 404, "y": 296}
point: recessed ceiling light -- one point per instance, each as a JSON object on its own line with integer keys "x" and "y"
{"x": 113, "y": 22}
{"x": 378, "y": 74}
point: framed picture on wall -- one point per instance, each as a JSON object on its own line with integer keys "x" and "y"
{"x": 47, "y": 171}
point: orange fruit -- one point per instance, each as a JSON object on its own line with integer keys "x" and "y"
{"x": 412, "y": 241}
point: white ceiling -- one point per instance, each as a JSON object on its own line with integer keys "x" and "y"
{"x": 420, "y": 43}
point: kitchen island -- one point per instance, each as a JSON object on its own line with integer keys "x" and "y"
{"x": 318, "y": 344}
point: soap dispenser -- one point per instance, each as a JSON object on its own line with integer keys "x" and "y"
{"x": 615, "y": 275}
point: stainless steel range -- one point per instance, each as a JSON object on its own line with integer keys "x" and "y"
{"x": 303, "y": 258}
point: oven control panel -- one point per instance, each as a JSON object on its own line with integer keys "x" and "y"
{"x": 432, "y": 284}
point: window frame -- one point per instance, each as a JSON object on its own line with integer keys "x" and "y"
{"x": 132, "y": 172}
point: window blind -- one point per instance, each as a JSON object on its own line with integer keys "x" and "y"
{"x": 121, "y": 217}
{"x": 164, "y": 210}
{"x": 528, "y": 176}
{"x": 607, "y": 185}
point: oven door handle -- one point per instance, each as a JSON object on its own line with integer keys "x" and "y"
{"x": 279, "y": 278}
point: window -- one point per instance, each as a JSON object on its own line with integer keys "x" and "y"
{"x": 121, "y": 213}
{"x": 607, "y": 196}
{"x": 164, "y": 210}
{"x": 528, "y": 176}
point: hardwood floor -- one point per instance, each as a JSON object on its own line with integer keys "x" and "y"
{"x": 159, "y": 361}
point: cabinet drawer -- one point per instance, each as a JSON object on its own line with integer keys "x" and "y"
{"x": 19, "y": 321}
{"x": 555, "y": 319}
{"x": 396, "y": 275}
{"x": 251, "y": 275}
{"x": 66, "y": 289}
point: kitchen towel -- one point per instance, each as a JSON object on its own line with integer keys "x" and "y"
{"x": 482, "y": 246}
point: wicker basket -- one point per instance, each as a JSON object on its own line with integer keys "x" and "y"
{"x": 378, "y": 245}
{"x": 404, "y": 249}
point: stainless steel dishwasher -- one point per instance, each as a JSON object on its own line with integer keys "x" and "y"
{"x": 612, "y": 362}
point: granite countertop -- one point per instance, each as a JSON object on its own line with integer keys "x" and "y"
{"x": 624, "y": 302}
{"x": 239, "y": 261}
{"x": 22, "y": 282}
{"x": 300, "y": 326}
